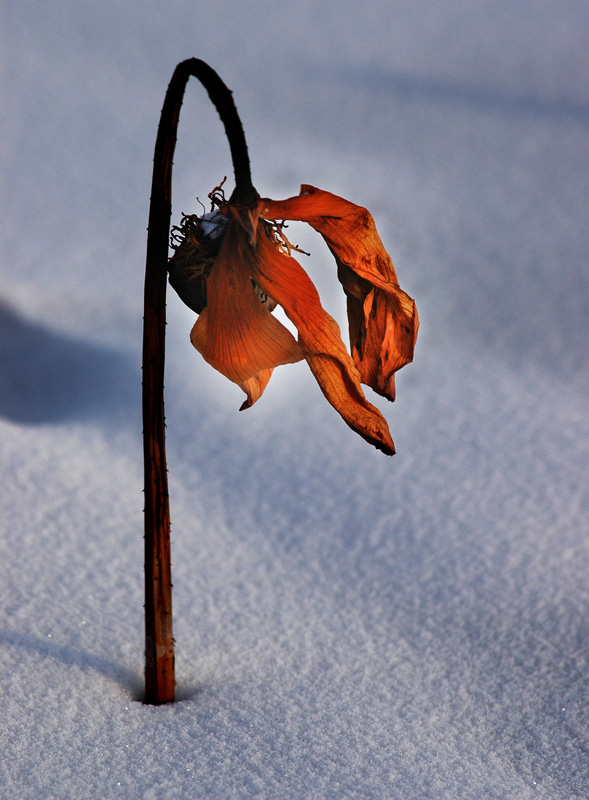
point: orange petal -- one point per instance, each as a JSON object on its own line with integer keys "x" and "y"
{"x": 382, "y": 318}
{"x": 286, "y": 281}
{"x": 254, "y": 388}
{"x": 235, "y": 333}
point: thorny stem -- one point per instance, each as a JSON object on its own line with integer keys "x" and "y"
{"x": 159, "y": 641}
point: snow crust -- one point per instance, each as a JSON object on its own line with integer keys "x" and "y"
{"x": 347, "y": 625}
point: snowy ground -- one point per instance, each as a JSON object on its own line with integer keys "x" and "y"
{"x": 348, "y": 625}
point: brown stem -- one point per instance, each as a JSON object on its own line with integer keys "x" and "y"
{"x": 159, "y": 640}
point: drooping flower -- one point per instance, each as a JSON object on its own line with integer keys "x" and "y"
{"x": 233, "y": 266}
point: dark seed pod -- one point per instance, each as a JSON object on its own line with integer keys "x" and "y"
{"x": 189, "y": 285}
{"x": 196, "y": 241}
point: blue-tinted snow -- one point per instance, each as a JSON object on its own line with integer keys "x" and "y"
{"x": 347, "y": 625}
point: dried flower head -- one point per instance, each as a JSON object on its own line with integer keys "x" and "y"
{"x": 233, "y": 265}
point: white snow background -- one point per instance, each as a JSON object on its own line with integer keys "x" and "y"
{"x": 348, "y": 625}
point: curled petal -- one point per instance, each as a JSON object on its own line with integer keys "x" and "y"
{"x": 254, "y": 388}
{"x": 319, "y": 336}
{"x": 235, "y": 333}
{"x": 382, "y": 318}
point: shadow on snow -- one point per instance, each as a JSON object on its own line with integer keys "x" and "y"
{"x": 50, "y": 377}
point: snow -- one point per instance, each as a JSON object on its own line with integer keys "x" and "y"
{"x": 347, "y": 625}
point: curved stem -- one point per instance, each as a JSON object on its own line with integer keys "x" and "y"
{"x": 159, "y": 640}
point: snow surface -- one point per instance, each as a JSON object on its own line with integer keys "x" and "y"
{"x": 348, "y": 625}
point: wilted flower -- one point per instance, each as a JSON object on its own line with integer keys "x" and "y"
{"x": 234, "y": 265}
